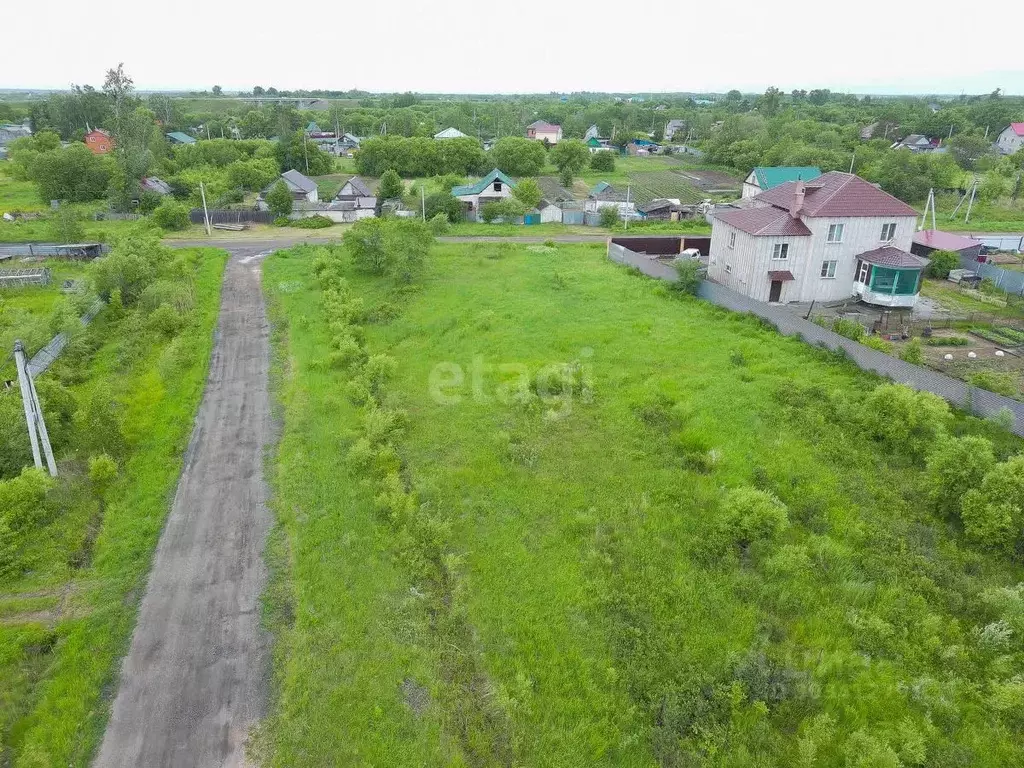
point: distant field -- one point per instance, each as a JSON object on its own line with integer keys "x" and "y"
{"x": 546, "y": 575}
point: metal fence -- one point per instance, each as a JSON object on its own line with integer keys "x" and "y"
{"x": 17, "y": 278}
{"x": 959, "y": 393}
{"x": 232, "y": 217}
{"x": 50, "y": 250}
{"x": 46, "y": 356}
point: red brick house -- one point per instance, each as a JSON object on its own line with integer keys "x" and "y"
{"x": 99, "y": 141}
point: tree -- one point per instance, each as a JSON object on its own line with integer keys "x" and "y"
{"x": 603, "y": 161}
{"x": 968, "y": 148}
{"x": 570, "y": 157}
{"x": 257, "y": 90}
{"x": 771, "y": 100}
{"x": 118, "y": 87}
{"x": 66, "y": 225}
{"x": 73, "y": 174}
{"x": 443, "y": 203}
{"x": 279, "y": 199}
{"x": 528, "y": 192}
{"x": 518, "y": 156}
{"x": 941, "y": 262}
{"x": 217, "y": 90}
{"x": 132, "y": 133}
{"x": 819, "y": 96}
{"x": 172, "y": 215}
{"x": 397, "y": 247}
{"x": 609, "y": 215}
{"x": 255, "y": 124}
{"x": 301, "y": 155}
{"x": 390, "y": 186}
{"x": 954, "y": 466}
{"x": 688, "y": 277}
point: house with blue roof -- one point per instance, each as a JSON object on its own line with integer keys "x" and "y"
{"x": 491, "y": 188}
{"x": 761, "y": 179}
{"x": 177, "y": 137}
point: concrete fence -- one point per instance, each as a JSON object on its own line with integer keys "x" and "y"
{"x": 980, "y": 401}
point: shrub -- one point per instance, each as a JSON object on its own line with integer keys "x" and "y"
{"x": 904, "y": 419}
{"x": 528, "y": 192}
{"x": 66, "y": 225}
{"x": 312, "y": 222}
{"x": 995, "y": 381}
{"x": 439, "y": 224}
{"x": 689, "y": 277}
{"x": 911, "y": 352}
{"x": 954, "y": 466}
{"x": 941, "y": 262}
{"x": 603, "y": 161}
{"x": 750, "y": 515}
{"x": 508, "y": 209}
{"x": 987, "y": 523}
{"x": 390, "y": 186}
{"x": 166, "y": 321}
{"x": 282, "y": 221}
{"x": 389, "y": 246}
{"x": 445, "y": 204}
{"x": 851, "y": 329}
{"x": 609, "y": 216}
{"x": 947, "y": 341}
{"x": 171, "y": 214}
{"x": 877, "y": 342}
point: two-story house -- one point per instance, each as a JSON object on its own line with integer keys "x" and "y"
{"x": 544, "y": 131}
{"x": 828, "y": 239}
{"x": 493, "y": 187}
{"x": 1011, "y": 138}
{"x": 98, "y": 141}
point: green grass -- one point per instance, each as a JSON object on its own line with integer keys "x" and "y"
{"x": 591, "y": 614}
{"x": 62, "y": 674}
{"x": 18, "y": 195}
{"x": 968, "y": 302}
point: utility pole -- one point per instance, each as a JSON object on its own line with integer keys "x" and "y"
{"x": 852, "y": 158}
{"x": 206, "y": 213}
{"x": 627, "y": 206}
{"x": 33, "y": 413}
{"x": 305, "y": 154}
{"x": 974, "y": 191}
{"x": 423, "y": 201}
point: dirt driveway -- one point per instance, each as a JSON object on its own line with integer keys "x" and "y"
{"x": 194, "y": 680}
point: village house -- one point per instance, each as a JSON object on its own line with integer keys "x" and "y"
{"x": 546, "y": 132}
{"x": 762, "y": 179}
{"x": 917, "y": 142}
{"x": 491, "y": 188}
{"x": 451, "y": 133}
{"x": 592, "y": 133}
{"x": 9, "y": 132}
{"x": 357, "y": 192}
{"x": 98, "y": 141}
{"x": 302, "y": 187}
{"x": 1011, "y": 138}
{"x": 672, "y": 127}
{"x": 829, "y": 239}
{"x": 177, "y": 137}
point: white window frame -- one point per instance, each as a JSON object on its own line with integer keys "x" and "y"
{"x": 728, "y": 269}
{"x": 829, "y": 266}
{"x": 862, "y": 273}
{"x": 890, "y": 230}
{"x": 732, "y": 239}
{"x": 780, "y": 252}
{"x": 835, "y": 233}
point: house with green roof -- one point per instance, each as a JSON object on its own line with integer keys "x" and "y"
{"x": 177, "y": 137}
{"x": 491, "y": 188}
{"x": 762, "y": 179}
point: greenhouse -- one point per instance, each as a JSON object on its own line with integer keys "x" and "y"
{"x": 888, "y": 277}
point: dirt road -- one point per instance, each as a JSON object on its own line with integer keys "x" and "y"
{"x": 194, "y": 680}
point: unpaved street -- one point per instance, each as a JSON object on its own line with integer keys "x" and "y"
{"x": 194, "y": 680}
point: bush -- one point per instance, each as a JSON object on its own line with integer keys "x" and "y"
{"x": 941, "y": 262}
{"x": 508, "y": 209}
{"x": 689, "y": 277}
{"x": 443, "y": 203}
{"x": 750, "y": 515}
{"x": 988, "y": 523}
{"x": 955, "y": 466}
{"x": 904, "y": 419}
{"x": 877, "y": 342}
{"x": 66, "y": 225}
{"x": 439, "y": 224}
{"x": 994, "y": 381}
{"x": 851, "y": 329}
{"x": 171, "y": 215}
{"x": 166, "y": 321}
{"x": 911, "y": 352}
{"x": 390, "y": 186}
{"x": 609, "y": 216}
{"x": 603, "y": 161}
{"x": 947, "y": 341}
{"x": 398, "y": 247}
{"x": 312, "y": 222}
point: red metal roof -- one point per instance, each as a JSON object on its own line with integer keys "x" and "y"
{"x": 1018, "y": 128}
{"x": 838, "y": 194}
{"x": 891, "y": 256}
{"x": 780, "y": 274}
{"x": 945, "y": 241}
{"x": 764, "y": 222}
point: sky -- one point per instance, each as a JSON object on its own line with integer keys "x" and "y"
{"x": 458, "y": 46}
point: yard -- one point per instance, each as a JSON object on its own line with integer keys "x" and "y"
{"x": 545, "y": 575}
{"x": 71, "y": 575}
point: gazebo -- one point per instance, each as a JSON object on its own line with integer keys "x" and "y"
{"x": 888, "y": 277}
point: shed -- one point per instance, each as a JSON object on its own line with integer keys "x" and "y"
{"x": 549, "y": 213}
{"x": 929, "y": 240}
{"x": 177, "y": 137}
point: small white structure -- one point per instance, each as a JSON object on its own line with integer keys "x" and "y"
{"x": 549, "y": 212}
{"x": 1011, "y": 138}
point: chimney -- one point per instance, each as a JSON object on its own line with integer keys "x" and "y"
{"x": 798, "y": 200}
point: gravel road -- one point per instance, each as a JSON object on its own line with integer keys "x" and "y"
{"x": 194, "y": 680}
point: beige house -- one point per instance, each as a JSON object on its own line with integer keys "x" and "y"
{"x": 546, "y": 132}
{"x": 829, "y": 239}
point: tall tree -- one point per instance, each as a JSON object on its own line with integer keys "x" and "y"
{"x": 119, "y": 88}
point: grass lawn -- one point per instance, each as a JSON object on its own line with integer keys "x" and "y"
{"x": 963, "y": 300}
{"x": 18, "y": 195}
{"x": 546, "y": 579}
{"x": 66, "y": 618}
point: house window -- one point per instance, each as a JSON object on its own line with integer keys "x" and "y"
{"x": 835, "y": 233}
{"x": 732, "y": 239}
{"x": 728, "y": 268}
{"x": 497, "y": 186}
{"x": 780, "y": 251}
{"x": 828, "y": 268}
{"x": 888, "y": 232}
{"x": 862, "y": 271}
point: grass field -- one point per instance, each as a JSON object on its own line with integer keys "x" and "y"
{"x": 548, "y": 580}
{"x": 18, "y": 195}
{"x": 67, "y": 611}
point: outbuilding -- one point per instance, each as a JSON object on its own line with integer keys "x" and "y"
{"x": 928, "y": 240}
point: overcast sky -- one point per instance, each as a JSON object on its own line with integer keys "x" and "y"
{"x": 872, "y": 46}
